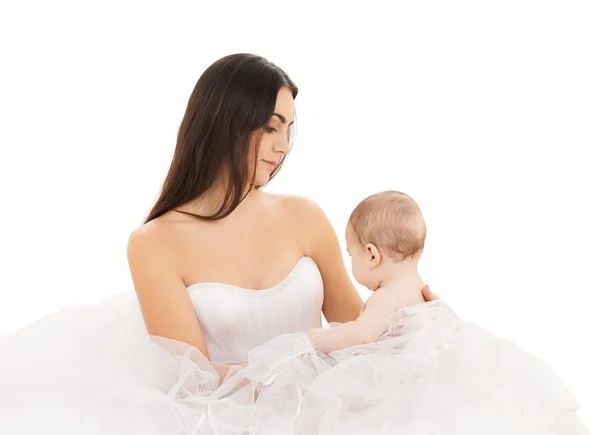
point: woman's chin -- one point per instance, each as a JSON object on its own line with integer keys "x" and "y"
{"x": 262, "y": 178}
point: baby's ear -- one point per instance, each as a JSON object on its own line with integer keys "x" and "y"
{"x": 374, "y": 255}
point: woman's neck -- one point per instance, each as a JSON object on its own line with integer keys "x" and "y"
{"x": 212, "y": 200}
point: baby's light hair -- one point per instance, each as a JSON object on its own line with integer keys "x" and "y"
{"x": 392, "y": 221}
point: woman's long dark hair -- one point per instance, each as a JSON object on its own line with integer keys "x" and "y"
{"x": 233, "y": 98}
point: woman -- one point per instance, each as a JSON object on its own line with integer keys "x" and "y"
{"x": 219, "y": 268}
{"x": 213, "y": 224}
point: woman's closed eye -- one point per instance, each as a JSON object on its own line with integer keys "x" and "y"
{"x": 288, "y": 132}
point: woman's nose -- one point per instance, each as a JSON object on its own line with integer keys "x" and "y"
{"x": 282, "y": 145}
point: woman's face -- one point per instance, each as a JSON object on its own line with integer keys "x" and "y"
{"x": 274, "y": 142}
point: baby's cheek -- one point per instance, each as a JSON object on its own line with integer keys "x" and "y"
{"x": 359, "y": 274}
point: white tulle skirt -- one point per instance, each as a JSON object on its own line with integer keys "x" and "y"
{"x": 94, "y": 370}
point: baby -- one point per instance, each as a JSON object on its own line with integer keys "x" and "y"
{"x": 385, "y": 237}
{"x": 432, "y": 373}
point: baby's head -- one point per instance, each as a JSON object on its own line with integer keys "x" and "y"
{"x": 384, "y": 230}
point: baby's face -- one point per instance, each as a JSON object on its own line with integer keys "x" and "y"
{"x": 361, "y": 266}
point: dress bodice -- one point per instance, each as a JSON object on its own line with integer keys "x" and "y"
{"x": 234, "y": 320}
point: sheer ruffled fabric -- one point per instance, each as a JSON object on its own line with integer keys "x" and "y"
{"x": 89, "y": 370}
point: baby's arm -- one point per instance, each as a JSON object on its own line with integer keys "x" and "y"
{"x": 367, "y": 328}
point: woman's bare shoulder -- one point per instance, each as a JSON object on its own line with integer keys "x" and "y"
{"x": 154, "y": 237}
{"x": 300, "y": 207}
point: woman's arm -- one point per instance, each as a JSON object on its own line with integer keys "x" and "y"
{"x": 341, "y": 303}
{"x": 165, "y": 303}
{"x": 164, "y": 300}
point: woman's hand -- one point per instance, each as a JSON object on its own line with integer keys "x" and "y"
{"x": 429, "y": 295}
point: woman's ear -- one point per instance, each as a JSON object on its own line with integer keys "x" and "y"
{"x": 374, "y": 255}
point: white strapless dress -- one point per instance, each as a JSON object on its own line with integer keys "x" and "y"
{"x": 94, "y": 370}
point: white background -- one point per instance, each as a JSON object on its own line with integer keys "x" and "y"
{"x": 487, "y": 113}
